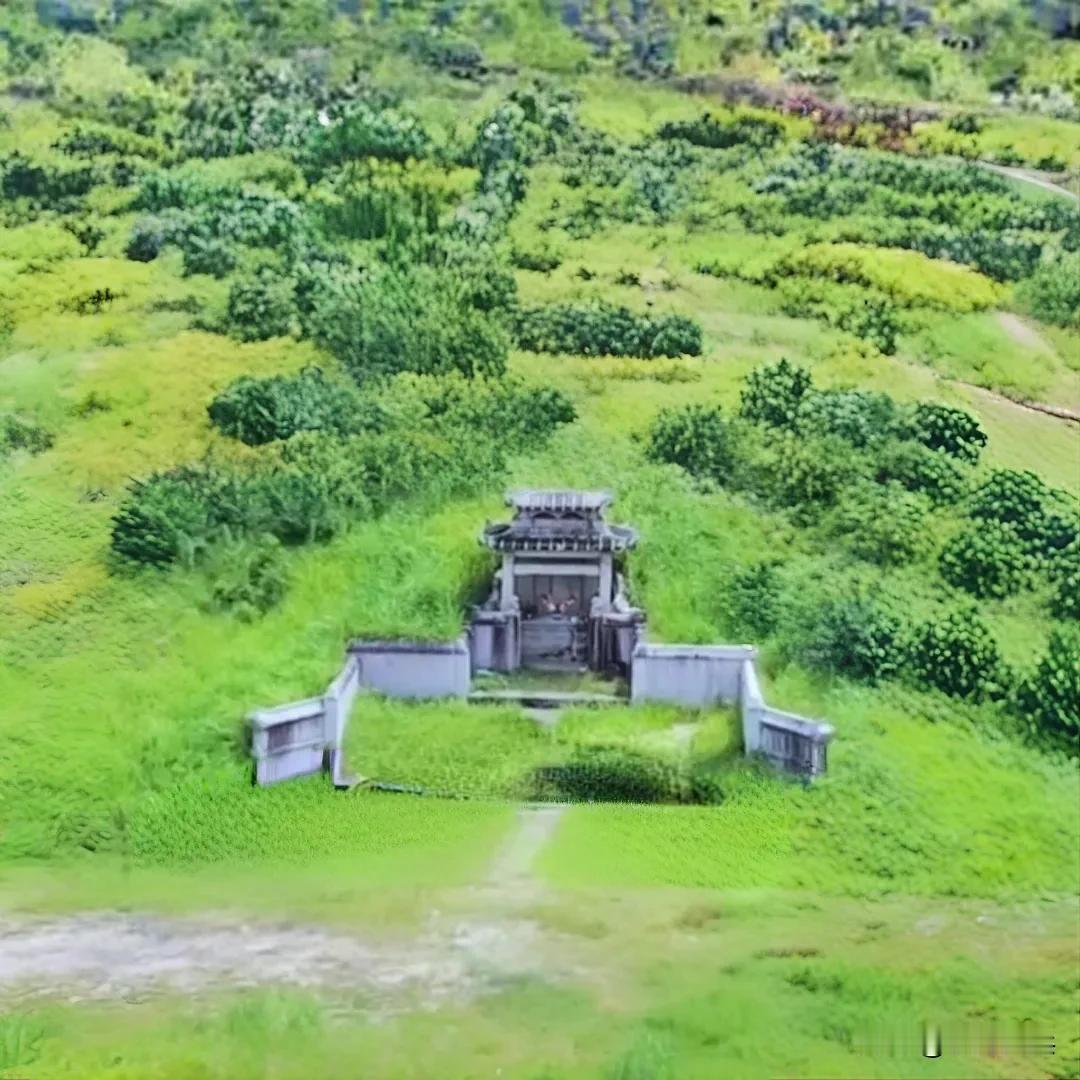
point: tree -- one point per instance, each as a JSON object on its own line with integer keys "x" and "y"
{"x": 1049, "y": 698}
{"x": 774, "y": 393}
{"x": 958, "y": 654}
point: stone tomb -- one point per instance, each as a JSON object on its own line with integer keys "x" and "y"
{"x": 558, "y": 586}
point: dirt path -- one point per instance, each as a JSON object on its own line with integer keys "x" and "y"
{"x": 1058, "y": 411}
{"x": 1021, "y": 332}
{"x": 1027, "y": 176}
{"x": 456, "y": 954}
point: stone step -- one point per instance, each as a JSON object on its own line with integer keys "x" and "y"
{"x": 543, "y": 699}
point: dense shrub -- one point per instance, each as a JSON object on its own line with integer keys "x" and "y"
{"x": 754, "y": 598}
{"x": 717, "y": 134}
{"x": 868, "y": 315}
{"x": 360, "y": 129}
{"x": 248, "y": 577}
{"x": 148, "y": 236}
{"x": 855, "y": 637}
{"x": 986, "y": 560}
{"x": 773, "y": 394}
{"x": 934, "y": 473}
{"x": 958, "y": 655}
{"x": 1065, "y": 579}
{"x": 805, "y": 475}
{"x": 884, "y": 524}
{"x": 171, "y": 516}
{"x": 205, "y": 255}
{"x": 1048, "y": 699}
{"x": 611, "y": 774}
{"x": 694, "y": 436}
{"x": 860, "y": 417}
{"x": 606, "y": 330}
{"x": 410, "y": 320}
{"x": 261, "y": 306}
{"x": 19, "y": 434}
{"x": 507, "y": 410}
{"x": 942, "y": 427}
{"x": 257, "y": 411}
{"x": 1052, "y": 293}
{"x": 1011, "y": 498}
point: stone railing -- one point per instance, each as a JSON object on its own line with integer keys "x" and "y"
{"x": 704, "y": 675}
{"x": 308, "y": 736}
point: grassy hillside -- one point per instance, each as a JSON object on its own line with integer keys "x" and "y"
{"x": 288, "y": 298}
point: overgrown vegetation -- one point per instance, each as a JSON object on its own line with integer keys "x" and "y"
{"x": 289, "y": 294}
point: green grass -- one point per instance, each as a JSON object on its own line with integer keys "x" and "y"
{"x": 490, "y": 750}
{"x": 930, "y": 873}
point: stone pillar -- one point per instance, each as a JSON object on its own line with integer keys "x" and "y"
{"x": 606, "y": 581}
{"x": 506, "y": 599}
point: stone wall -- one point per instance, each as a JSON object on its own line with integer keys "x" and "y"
{"x": 414, "y": 669}
{"x": 704, "y": 675}
{"x": 307, "y": 736}
{"x": 695, "y": 675}
{"x": 288, "y": 741}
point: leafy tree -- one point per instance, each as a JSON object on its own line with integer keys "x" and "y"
{"x": 248, "y": 577}
{"x": 806, "y": 475}
{"x": 257, "y": 411}
{"x": 942, "y": 427}
{"x": 958, "y": 654}
{"x": 1052, "y": 293}
{"x": 1049, "y": 697}
{"x": 361, "y": 129}
{"x": 858, "y": 638}
{"x": 169, "y": 517}
{"x": 773, "y": 394}
{"x": 408, "y": 320}
{"x": 986, "y": 560}
{"x": 1065, "y": 578}
{"x": 261, "y": 306}
{"x": 884, "y": 524}
{"x": 694, "y": 436}
{"x": 19, "y": 434}
{"x": 861, "y": 417}
{"x": 933, "y": 473}
{"x": 602, "y": 329}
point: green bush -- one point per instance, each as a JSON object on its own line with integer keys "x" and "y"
{"x": 1052, "y": 293}
{"x": 934, "y": 473}
{"x": 860, "y": 417}
{"x": 694, "y": 436}
{"x": 856, "y": 637}
{"x": 805, "y": 475}
{"x": 602, "y": 329}
{"x": 754, "y": 599}
{"x": 248, "y": 577}
{"x": 773, "y": 394}
{"x": 507, "y": 410}
{"x": 1048, "y": 699}
{"x": 1065, "y": 583}
{"x": 209, "y": 255}
{"x": 986, "y": 560}
{"x": 260, "y": 307}
{"x": 415, "y": 320}
{"x": 360, "y": 129}
{"x": 716, "y": 134}
{"x": 19, "y": 434}
{"x": 958, "y": 655}
{"x": 258, "y": 411}
{"x": 1011, "y": 498}
{"x": 942, "y": 427}
{"x": 611, "y": 774}
{"x": 171, "y": 516}
{"x": 882, "y": 523}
